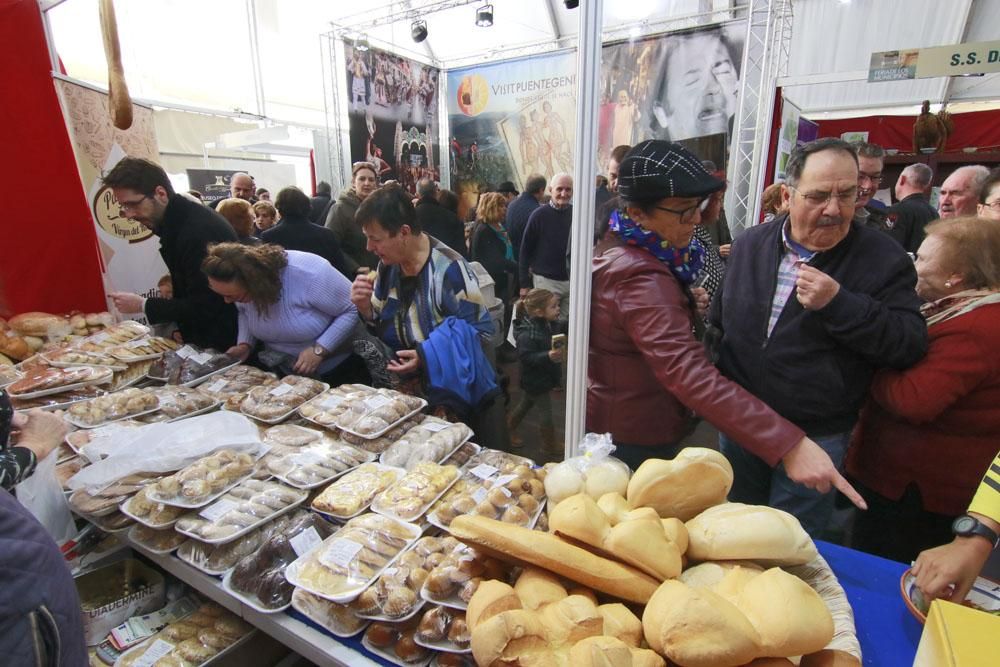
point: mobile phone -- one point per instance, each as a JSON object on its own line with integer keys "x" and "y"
{"x": 558, "y": 342}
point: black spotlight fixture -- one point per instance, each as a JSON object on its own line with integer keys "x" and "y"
{"x": 571, "y": 4}
{"x": 484, "y": 16}
{"x": 418, "y": 30}
{"x": 362, "y": 44}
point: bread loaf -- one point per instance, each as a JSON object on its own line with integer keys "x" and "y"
{"x": 787, "y": 613}
{"x": 621, "y": 623}
{"x": 733, "y": 584}
{"x": 14, "y": 346}
{"x": 39, "y": 324}
{"x": 696, "y": 479}
{"x": 709, "y": 575}
{"x": 610, "y": 652}
{"x": 749, "y": 532}
{"x": 579, "y": 517}
{"x": 694, "y": 627}
{"x": 537, "y": 587}
{"x": 569, "y": 620}
{"x": 529, "y": 547}
{"x": 507, "y": 635}
{"x": 491, "y": 598}
{"x": 676, "y": 533}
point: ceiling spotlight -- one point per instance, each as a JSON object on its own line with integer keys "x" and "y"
{"x": 362, "y": 44}
{"x": 418, "y": 31}
{"x": 484, "y": 16}
{"x": 571, "y": 4}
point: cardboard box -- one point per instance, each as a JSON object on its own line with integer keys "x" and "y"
{"x": 957, "y": 636}
{"x": 112, "y": 594}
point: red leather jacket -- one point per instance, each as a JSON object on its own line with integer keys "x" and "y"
{"x": 647, "y": 370}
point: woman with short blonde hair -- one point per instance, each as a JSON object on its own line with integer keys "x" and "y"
{"x": 239, "y": 214}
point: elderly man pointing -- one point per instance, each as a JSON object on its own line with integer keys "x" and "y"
{"x": 812, "y": 304}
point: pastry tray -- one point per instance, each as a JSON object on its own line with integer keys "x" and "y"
{"x": 379, "y": 434}
{"x": 89, "y": 515}
{"x": 417, "y": 608}
{"x": 392, "y": 657}
{"x": 249, "y": 529}
{"x": 17, "y": 376}
{"x": 292, "y": 571}
{"x": 445, "y": 646}
{"x": 123, "y": 508}
{"x": 199, "y": 411}
{"x": 386, "y": 512}
{"x": 99, "y": 522}
{"x": 439, "y": 461}
{"x": 159, "y": 552}
{"x": 146, "y": 643}
{"x": 209, "y": 499}
{"x": 104, "y": 378}
{"x": 278, "y": 420}
{"x": 198, "y": 380}
{"x": 337, "y": 518}
{"x": 368, "y": 458}
{"x": 137, "y": 358}
{"x": 55, "y": 363}
{"x": 80, "y": 424}
{"x": 303, "y": 615}
{"x": 475, "y": 450}
{"x": 247, "y": 600}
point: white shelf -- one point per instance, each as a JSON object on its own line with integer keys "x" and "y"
{"x": 304, "y": 640}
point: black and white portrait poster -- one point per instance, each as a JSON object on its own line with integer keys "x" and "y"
{"x": 392, "y": 110}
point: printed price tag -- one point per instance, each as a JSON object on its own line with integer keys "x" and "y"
{"x": 331, "y": 402}
{"x": 158, "y": 649}
{"x": 202, "y": 358}
{"x": 186, "y": 351}
{"x": 479, "y": 495}
{"x": 141, "y": 342}
{"x": 484, "y": 471}
{"x": 435, "y": 427}
{"x": 216, "y": 386}
{"x": 305, "y": 541}
{"x": 339, "y": 553}
{"x": 504, "y": 480}
{"x": 218, "y": 509}
{"x": 280, "y": 389}
{"x": 377, "y": 401}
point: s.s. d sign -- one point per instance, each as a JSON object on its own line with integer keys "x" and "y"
{"x": 953, "y": 60}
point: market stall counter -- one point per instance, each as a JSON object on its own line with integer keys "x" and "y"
{"x": 888, "y": 633}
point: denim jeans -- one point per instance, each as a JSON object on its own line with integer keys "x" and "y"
{"x": 756, "y": 483}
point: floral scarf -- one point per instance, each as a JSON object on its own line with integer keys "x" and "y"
{"x": 684, "y": 263}
{"x": 957, "y": 304}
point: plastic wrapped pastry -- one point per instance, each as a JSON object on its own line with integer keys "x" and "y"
{"x": 199, "y": 482}
{"x": 354, "y": 492}
{"x": 125, "y": 403}
{"x": 177, "y": 402}
{"x": 237, "y": 380}
{"x": 416, "y": 491}
{"x": 374, "y": 414}
{"x": 151, "y": 513}
{"x": 457, "y": 574}
{"x": 279, "y": 400}
{"x": 337, "y": 618}
{"x": 187, "y": 364}
{"x": 190, "y": 641}
{"x": 309, "y": 466}
{"x": 513, "y": 492}
{"x": 156, "y": 540}
{"x": 244, "y": 508}
{"x": 432, "y": 440}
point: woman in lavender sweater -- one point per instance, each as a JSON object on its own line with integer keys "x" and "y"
{"x": 294, "y": 303}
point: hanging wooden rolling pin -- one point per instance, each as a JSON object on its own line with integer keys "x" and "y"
{"x": 119, "y": 103}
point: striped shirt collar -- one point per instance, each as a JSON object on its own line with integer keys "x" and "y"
{"x": 790, "y": 245}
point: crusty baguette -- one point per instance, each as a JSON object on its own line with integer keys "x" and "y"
{"x": 530, "y": 547}
{"x": 119, "y": 103}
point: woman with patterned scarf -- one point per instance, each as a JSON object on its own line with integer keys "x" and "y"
{"x": 647, "y": 373}
{"x": 927, "y": 433}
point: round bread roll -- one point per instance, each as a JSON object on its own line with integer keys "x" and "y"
{"x": 600, "y": 651}
{"x": 40, "y": 324}
{"x": 696, "y": 479}
{"x": 621, "y": 623}
{"x": 709, "y": 575}
{"x": 697, "y": 628}
{"x": 789, "y": 615}
{"x": 734, "y": 531}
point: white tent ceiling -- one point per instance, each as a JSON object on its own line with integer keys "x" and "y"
{"x": 263, "y": 57}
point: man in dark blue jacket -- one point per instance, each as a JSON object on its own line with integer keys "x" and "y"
{"x": 812, "y": 305}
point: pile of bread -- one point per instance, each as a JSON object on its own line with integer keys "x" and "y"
{"x": 642, "y": 548}
{"x": 25, "y": 334}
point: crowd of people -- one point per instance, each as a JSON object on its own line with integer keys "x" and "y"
{"x": 840, "y": 345}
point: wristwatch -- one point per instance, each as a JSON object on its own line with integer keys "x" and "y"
{"x": 318, "y": 350}
{"x": 967, "y": 526}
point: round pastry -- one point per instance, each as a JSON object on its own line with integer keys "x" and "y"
{"x": 213, "y": 639}
{"x": 434, "y": 625}
{"x": 211, "y": 609}
{"x": 485, "y": 508}
{"x": 168, "y": 486}
{"x": 180, "y": 631}
{"x": 417, "y": 578}
{"x": 439, "y": 584}
{"x": 195, "y": 488}
{"x": 452, "y": 660}
{"x": 499, "y": 497}
{"x": 381, "y": 635}
{"x": 463, "y": 505}
{"x": 427, "y": 545}
{"x": 433, "y": 560}
{"x": 412, "y": 560}
{"x": 528, "y": 503}
{"x": 369, "y": 603}
{"x": 448, "y": 543}
{"x": 515, "y": 515}
{"x": 469, "y": 589}
{"x": 194, "y": 651}
{"x": 399, "y": 602}
{"x": 408, "y": 650}
{"x": 231, "y": 627}
{"x": 458, "y": 632}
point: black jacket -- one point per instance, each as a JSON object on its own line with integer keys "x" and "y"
{"x": 442, "y": 224}
{"x": 489, "y": 250}
{"x": 318, "y": 207}
{"x": 340, "y": 220}
{"x": 203, "y": 317}
{"x": 816, "y": 367}
{"x": 539, "y": 373}
{"x": 907, "y": 218}
{"x": 518, "y": 212}
{"x": 300, "y": 234}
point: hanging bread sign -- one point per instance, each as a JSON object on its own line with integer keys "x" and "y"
{"x": 119, "y": 104}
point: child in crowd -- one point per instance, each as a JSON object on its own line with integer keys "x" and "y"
{"x": 541, "y": 365}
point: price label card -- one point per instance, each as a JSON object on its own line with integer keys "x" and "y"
{"x": 141, "y": 342}
{"x": 377, "y": 401}
{"x": 340, "y": 553}
{"x": 186, "y": 352}
{"x": 158, "y": 649}
{"x": 201, "y": 358}
{"x": 305, "y": 541}
{"x": 218, "y": 509}
{"x": 504, "y": 480}
{"x": 435, "y": 427}
{"x": 484, "y": 471}
{"x": 217, "y": 386}
{"x": 479, "y": 495}
{"x": 331, "y": 402}
{"x": 280, "y": 389}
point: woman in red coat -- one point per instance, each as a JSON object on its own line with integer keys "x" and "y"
{"x": 928, "y": 432}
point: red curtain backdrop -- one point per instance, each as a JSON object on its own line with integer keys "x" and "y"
{"x": 48, "y": 248}
{"x": 977, "y": 128}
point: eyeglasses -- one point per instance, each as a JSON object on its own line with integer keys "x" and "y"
{"x": 995, "y": 204}
{"x": 683, "y": 213}
{"x": 131, "y": 205}
{"x": 874, "y": 178}
{"x": 819, "y": 199}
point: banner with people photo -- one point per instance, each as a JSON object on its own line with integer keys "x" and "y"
{"x": 393, "y": 117}
{"x": 515, "y": 118}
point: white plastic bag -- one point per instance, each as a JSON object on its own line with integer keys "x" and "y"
{"x": 44, "y": 498}
{"x": 166, "y": 447}
{"x": 594, "y": 472}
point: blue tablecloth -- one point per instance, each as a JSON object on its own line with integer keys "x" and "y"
{"x": 889, "y": 634}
